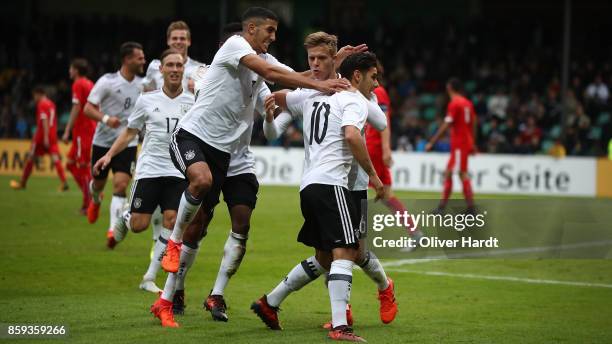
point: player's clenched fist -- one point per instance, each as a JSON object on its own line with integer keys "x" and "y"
{"x": 270, "y": 106}
{"x": 113, "y": 122}
{"x": 101, "y": 164}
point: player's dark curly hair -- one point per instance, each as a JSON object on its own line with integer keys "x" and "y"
{"x": 258, "y": 12}
{"x": 359, "y": 61}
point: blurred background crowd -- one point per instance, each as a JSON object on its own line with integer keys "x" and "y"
{"x": 508, "y": 54}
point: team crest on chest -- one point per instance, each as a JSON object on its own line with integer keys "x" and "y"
{"x": 189, "y": 155}
{"x": 185, "y": 108}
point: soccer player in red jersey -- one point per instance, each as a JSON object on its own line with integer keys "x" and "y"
{"x": 45, "y": 139}
{"x": 461, "y": 118}
{"x": 82, "y": 128}
{"x": 379, "y": 148}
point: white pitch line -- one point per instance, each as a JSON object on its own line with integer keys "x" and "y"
{"x": 499, "y": 252}
{"x": 506, "y": 278}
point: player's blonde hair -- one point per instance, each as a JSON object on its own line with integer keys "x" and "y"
{"x": 178, "y": 25}
{"x": 322, "y": 38}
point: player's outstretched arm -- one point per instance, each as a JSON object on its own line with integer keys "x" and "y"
{"x": 436, "y": 136}
{"x": 280, "y": 98}
{"x": 291, "y": 79}
{"x": 356, "y": 144}
{"x": 92, "y": 111}
{"x": 376, "y": 117}
{"x": 347, "y": 50}
{"x": 122, "y": 141}
{"x": 74, "y": 112}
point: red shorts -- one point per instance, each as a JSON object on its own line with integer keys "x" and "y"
{"x": 38, "y": 148}
{"x": 382, "y": 170}
{"x": 80, "y": 149}
{"x": 458, "y": 159}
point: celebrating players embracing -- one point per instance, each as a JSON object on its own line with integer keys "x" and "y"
{"x": 211, "y": 130}
{"x": 322, "y": 57}
{"x": 332, "y": 137}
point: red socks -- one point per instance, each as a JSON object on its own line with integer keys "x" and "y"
{"x": 27, "y": 171}
{"x": 60, "y": 170}
{"x": 448, "y": 190}
{"x": 76, "y": 174}
{"x": 82, "y": 176}
{"x": 467, "y": 192}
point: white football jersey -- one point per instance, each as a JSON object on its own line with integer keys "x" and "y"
{"x": 358, "y": 178}
{"x": 328, "y": 157}
{"x": 159, "y": 115}
{"x": 155, "y": 80}
{"x": 115, "y": 96}
{"x": 226, "y": 100}
{"x": 242, "y": 159}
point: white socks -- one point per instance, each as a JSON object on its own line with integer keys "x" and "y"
{"x": 188, "y": 256}
{"x": 372, "y": 267}
{"x": 116, "y": 208}
{"x": 176, "y": 281}
{"x": 302, "y": 274}
{"x": 340, "y": 280}
{"x": 95, "y": 195}
{"x": 169, "y": 288}
{"x": 157, "y": 222}
{"x": 233, "y": 252}
{"x": 186, "y": 212}
{"x": 158, "y": 253}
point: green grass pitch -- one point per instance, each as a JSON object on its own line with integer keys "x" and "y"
{"x": 55, "y": 269}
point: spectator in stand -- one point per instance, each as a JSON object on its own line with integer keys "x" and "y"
{"x": 557, "y": 150}
{"x": 497, "y": 140}
{"x": 530, "y": 135}
{"x": 498, "y": 104}
{"x": 597, "y": 91}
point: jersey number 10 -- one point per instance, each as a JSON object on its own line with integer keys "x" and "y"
{"x": 315, "y": 120}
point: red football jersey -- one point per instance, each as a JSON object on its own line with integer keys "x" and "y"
{"x": 373, "y": 138}
{"x": 461, "y": 115}
{"x": 45, "y": 109}
{"x": 80, "y": 91}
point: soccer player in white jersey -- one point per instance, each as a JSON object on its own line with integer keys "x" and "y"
{"x": 157, "y": 181}
{"x": 332, "y": 139}
{"x": 240, "y": 190}
{"x": 211, "y": 130}
{"x": 321, "y": 48}
{"x": 110, "y": 103}
{"x": 178, "y": 37}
